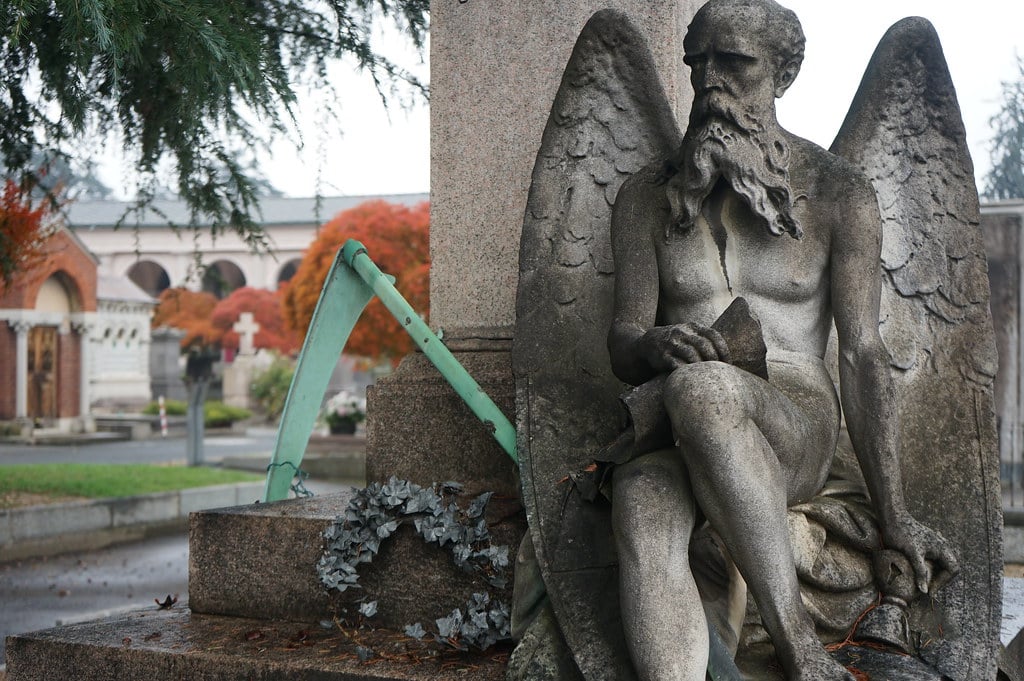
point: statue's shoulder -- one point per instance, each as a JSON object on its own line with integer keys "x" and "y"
{"x": 821, "y": 174}
{"x": 643, "y": 192}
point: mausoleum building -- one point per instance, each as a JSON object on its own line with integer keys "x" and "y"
{"x": 47, "y": 315}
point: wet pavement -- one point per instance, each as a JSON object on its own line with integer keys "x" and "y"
{"x": 46, "y": 592}
{"x": 155, "y": 450}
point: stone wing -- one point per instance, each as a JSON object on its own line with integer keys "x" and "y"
{"x": 905, "y": 133}
{"x": 610, "y": 118}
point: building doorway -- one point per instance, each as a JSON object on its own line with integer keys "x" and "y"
{"x": 42, "y": 372}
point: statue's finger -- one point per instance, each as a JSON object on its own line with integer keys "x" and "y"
{"x": 945, "y": 557}
{"x": 704, "y": 347}
{"x": 721, "y": 347}
{"x": 940, "y": 579}
{"x": 922, "y": 571}
{"x": 687, "y": 353}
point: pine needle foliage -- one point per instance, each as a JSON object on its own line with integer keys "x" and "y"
{"x": 1006, "y": 179}
{"x": 191, "y": 83}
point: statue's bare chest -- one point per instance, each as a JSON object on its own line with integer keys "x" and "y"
{"x": 728, "y": 253}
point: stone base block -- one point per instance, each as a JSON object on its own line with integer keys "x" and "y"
{"x": 260, "y": 561}
{"x": 177, "y": 644}
{"x": 419, "y": 429}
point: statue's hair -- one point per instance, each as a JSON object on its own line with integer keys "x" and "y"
{"x": 785, "y": 36}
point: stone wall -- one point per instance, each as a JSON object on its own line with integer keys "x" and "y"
{"x": 1002, "y": 225}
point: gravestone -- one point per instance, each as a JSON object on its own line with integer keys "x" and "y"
{"x": 246, "y": 328}
{"x": 247, "y": 364}
{"x": 165, "y": 364}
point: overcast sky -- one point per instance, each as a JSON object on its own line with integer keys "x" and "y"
{"x": 368, "y": 153}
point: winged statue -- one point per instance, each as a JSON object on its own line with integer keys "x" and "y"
{"x": 754, "y": 376}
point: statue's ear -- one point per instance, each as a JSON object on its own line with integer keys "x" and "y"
{"x": 785, "y": 77}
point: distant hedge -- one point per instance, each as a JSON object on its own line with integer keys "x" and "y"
{"x": 215, "y": 414}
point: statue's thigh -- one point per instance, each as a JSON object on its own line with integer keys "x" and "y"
{"x": 799, "y": 417}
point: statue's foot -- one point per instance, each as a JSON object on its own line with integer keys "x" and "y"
{"x": 817, "y": 665}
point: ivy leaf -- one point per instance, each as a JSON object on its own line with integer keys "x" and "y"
{"x": 415, "y": 631}
{"x": 387, "y": 529}
{"x": 479, "y": 505}
{"x": 448, "y": 627}
{"x": 368, "y": 609}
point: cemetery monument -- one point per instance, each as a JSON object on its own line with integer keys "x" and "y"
{"x": 718, "y": 474}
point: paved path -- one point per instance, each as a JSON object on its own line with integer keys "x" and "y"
{"x": 155, "y": 450}
{"x": 45, "y": 592}
{"x": 42, "y": 593}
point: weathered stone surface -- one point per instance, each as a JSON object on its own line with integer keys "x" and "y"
{"x": 494, "y": 72}
{"x": 176, "y": 644}
{"x": 934, "y": 371}
{"x": 260, "y": 561}
{"x": 419, "y": 429}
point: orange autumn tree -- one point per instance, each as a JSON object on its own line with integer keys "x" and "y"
{"x": 23, "y": 232}
{"x": 266, "y": 309}
{"x": 397, "y": 239}
{"x": 190, "y": 311}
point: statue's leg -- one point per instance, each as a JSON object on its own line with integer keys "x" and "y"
{"x": 653, "y": 514}
{"x": 751, "y": 450}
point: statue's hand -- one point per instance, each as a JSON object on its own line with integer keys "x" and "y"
{"x": 930, "y": 555}
{"x": 667, "y": 347}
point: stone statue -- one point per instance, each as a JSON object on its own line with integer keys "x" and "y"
{"x": 722, "y": 471}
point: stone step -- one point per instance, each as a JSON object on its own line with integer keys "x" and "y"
{"x": 260, "y": 561}
{"x": 178, "y": 644}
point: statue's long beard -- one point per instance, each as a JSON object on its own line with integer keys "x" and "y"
{"x": 723, "y": 143}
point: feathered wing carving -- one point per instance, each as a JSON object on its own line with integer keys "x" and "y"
{"x": 905, "y": 133}
{"x": 609, "y": 119}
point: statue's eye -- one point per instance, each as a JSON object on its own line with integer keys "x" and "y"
{"x": 736, "y": 60}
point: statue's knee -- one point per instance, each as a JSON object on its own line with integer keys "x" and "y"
{"x": 705, "y": 395}
{"x": 659, "y": 473}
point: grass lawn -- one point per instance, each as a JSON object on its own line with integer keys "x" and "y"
{"x": 40, "y": 483}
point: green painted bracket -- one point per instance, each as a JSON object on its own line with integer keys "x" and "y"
{"x": 342, "y": 300}
{"x": 352, "y": 282}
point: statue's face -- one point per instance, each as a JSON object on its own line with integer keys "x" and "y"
{"x": 728, "y": 62}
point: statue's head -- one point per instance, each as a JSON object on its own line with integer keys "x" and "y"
{"x": 747, "y": 49}
{"x": 743, "y": 54}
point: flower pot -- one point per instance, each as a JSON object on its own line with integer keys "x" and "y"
{"x": 344, "y": 427}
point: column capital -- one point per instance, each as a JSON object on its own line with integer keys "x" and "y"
{"x": 83, "y": 328}
{"x": 20, "y": 326}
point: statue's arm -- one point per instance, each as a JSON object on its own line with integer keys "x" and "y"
{"x": 867, "y": 389}
{"x": 636, "y": 280}
{"x": 640, "y": 350}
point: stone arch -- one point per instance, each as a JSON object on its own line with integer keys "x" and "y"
{"x": 221, "y": 277}
{"x": 150, "y": 276}
{"x": 58, "y": 294}
{"x": 287, "y": 271}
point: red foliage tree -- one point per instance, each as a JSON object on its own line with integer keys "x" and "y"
{"x": 265, "y": 307}
{"x": 190, "y": 311}
{"x": 23, "y": 231}
{"x": 397, "y": 239}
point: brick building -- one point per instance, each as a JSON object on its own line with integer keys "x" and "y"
{"x": 46, "y": 316}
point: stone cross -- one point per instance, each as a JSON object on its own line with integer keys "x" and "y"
{"x": 246, "y": 328}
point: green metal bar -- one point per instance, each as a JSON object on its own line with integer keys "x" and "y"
{"x": 342, "y": 300}
{"x": 467, "y": 388}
